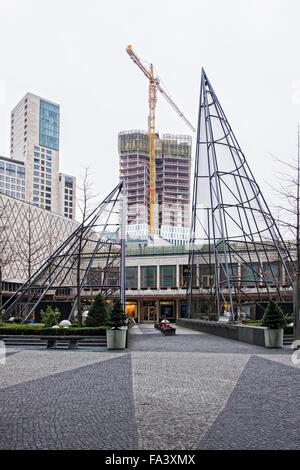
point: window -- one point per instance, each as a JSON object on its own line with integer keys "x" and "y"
{"x": 48, "y": 208}
{"x": 35, "y": 199}
{"x": 36, "y": 167}
{"x": 148, "y": 276}
{"x": 21, "y": 172}
{"x": 36, "y": 154}
{"x": 167, "y": 276}
{"x": 10, "y": 169}
{"x": 36, "y": 160}
{"x": 68, "y": 182}
{"x": 36, "y": 148}
{"x": 232, "y": 271}
{"x": 48, "y": 170}
{"x": 36, "y": 180}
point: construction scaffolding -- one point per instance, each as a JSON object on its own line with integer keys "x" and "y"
{"x": 247, "y": 259}
{"x": 99, "y": 241}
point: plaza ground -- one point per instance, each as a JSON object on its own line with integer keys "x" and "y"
{"x": 188, "y": 391}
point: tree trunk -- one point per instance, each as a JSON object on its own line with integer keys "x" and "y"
{"x": 79, "y": 314}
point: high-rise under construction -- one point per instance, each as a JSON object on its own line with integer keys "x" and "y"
{"x": 172, "y": 177}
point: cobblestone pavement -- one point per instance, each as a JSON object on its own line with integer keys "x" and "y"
{"x": 188, "y": 391}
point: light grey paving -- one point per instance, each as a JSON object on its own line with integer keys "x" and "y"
{"x": 163, "y": 393}
{"x": 178, "y": 396}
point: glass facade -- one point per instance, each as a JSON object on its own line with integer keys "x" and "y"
{"x": 167, "y": 276}
{"x": 49, "y": 125}
{"x": 131, "y": 277}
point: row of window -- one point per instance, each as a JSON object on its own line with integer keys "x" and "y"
{"x": 12, "y": 180}
{"x": 204, "y": 275}
{"x": 49, "y": 125}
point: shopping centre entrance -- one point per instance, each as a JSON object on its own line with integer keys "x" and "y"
{"x": 149, "y": 311}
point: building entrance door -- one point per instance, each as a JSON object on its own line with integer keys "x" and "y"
{"x": 149, "y": 312}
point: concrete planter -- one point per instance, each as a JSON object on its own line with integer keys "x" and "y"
{"x": 116, "y": 339}
{"x": 273, "y": 338}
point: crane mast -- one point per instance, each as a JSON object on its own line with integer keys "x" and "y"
{"x": 152, "y": 195}
{"x": 153, "y": 86}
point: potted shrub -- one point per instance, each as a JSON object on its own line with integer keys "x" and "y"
{"x": 97, "y": 314}
{"x": 116, "y": 337}
{"x": 275, "y": 321}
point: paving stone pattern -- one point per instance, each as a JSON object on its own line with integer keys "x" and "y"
{"x": 188, "y": 391}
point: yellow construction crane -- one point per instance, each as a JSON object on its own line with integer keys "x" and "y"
{"x": 154, "y": 84}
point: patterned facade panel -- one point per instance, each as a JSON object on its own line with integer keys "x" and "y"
{"x": 28, "y": 235}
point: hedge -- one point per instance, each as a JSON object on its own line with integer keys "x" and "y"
{"x": 26, "y": 330}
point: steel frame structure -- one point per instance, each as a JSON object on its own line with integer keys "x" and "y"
{"x": 232, "y": 228}
{"x": 103, "y": 240}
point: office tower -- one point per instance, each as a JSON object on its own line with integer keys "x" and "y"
{"x": 12, "y": 177}
{"x": 35, "y": 141}
{"x": 173, "y": 166}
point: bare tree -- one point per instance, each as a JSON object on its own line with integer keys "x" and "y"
{"x": 6, "y": 246}
{"x": 288, "y": 191}
{"x": 84, "y": 198}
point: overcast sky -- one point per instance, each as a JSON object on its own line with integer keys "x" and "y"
{"x": 73, "y": 52}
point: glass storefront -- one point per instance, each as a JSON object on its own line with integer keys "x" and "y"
{"x": 149, "y": 311}
{"x": 131, "y": 277}
{"x": 167, "y": 276}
